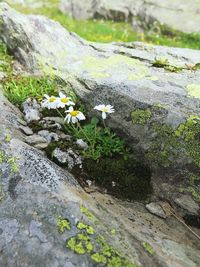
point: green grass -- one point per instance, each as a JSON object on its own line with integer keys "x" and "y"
{"x": 5, "y": 60}
{"x": 108, "y": 31}
{"x": 17, "y": 90}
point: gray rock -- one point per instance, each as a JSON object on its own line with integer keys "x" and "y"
{"x": 31, "y": 110}
{"x": 43, "y": 192}
{"x": 156, "y": 209}
{"x": 143, "y": 14}
{"x": 51, "y": 123}
{"x": 69, "y": 157}
{"x": 26, "y": 130}
{"x": 35, "y": 139}
{"x": 82, "y": 144}
{"x": 41, "y": 146}
{"x": 64, "y": 136}
{"x": 77, "y": 10}
{"x": 50, "y": 137}
{"x": 186, "y": 202}
{"x": 155, "y": 107}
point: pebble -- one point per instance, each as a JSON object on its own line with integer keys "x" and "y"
{"x": 49, "y": 136}
{"x": 68, "y": 157}
{"x": 31, "y": 110}
{"x": 26, "y": 130}
{"x": 82, "y": 144}
{"x": 35, "y": 139}
{"x": 156, "y": 209}
{"x": 186, "y": 202}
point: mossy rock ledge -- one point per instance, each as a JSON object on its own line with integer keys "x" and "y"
{"x": 157, "y": 108}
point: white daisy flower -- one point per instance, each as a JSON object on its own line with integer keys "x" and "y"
{"x": 74, "y": 115}
{"x": 50, "y": 102}
{"x": 64, "y": 101}
{"x": 105, "y": 109}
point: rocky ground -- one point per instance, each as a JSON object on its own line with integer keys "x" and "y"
{"x": 46, "y": 217}
{"x": 179, "y": 15}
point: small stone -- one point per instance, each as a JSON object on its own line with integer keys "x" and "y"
{"x": 31, "y": 110}
{"x": 69, "y": 157}
{"x": 50, "y": 137}
{"x": 35, "y": 139}
{"x": 58, "y": 120}
{"x": 41, "y": 146}
{"x": 187, "y": 203}
{"x": 26, "y": 130}
{"x": 156, "y": 209}
{"x": 64, "y": 136}
{"x": 82, "y": 144}
{"x": 89, "y": 182}
{"x": 22, "y": 122}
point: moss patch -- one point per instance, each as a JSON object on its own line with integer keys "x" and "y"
{"x": 85, "y": 211}
{"x": 123, "y": 178}
{"x": 100, "y": 67}
{"x": 148, "y": 248}
{"x": 63, "y": 224}
{"x": 170, "y": 143}
{"x": 193, "y": 90}
{"x": 94, "y": 245}
{"x": 141, "y": 116}
{"x": 11, "y": 161}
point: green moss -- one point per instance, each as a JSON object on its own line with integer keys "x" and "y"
{"x": 95, "y": 246}
{"x": 148, "y": 248}
{"x": 170, "y": 143}
{"x": 113, "y": 232}
{"x": 2, "y": 194}
{"x": 8, "y": 138}
{"x": 164, "y": 63}
{"x": 124, "y": 173}
{"x": 76, "y": 245}
{"x": 89, "y": 229}
{"x": 63, "y": 224}
{"x": 85, "y": 211}
{"x": 11, "y": 161}
{"x": 98, "y": 258}
{"x": 193, "y": 90}
{"x": 141, "y": 116}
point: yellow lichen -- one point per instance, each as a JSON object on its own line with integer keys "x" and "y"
{"x": 193, "y": 90}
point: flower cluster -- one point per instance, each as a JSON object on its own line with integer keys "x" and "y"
{"x": 52, "y": 102}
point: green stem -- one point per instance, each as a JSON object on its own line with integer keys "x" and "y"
{"x": 60, "y": 113}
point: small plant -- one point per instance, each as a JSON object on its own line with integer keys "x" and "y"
{"x": 101, "y": 141}
{"x": 18, "y": 89}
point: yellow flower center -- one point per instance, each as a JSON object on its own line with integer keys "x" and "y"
{"x": 52, "y": 99}
{"x": 74, "y": 113}
{"x": 64, "y": 100}
{"x": 104, "y": 110}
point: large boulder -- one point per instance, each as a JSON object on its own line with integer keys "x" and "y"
{"x": 46, "y": 219}
{"x": 154, "y": 90}
{"x": 180, "y": 15}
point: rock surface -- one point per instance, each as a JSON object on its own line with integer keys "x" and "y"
{"x": 35, "y": 193}
{"x": 180, "y": 14}
{"x": 157, "y": 106}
